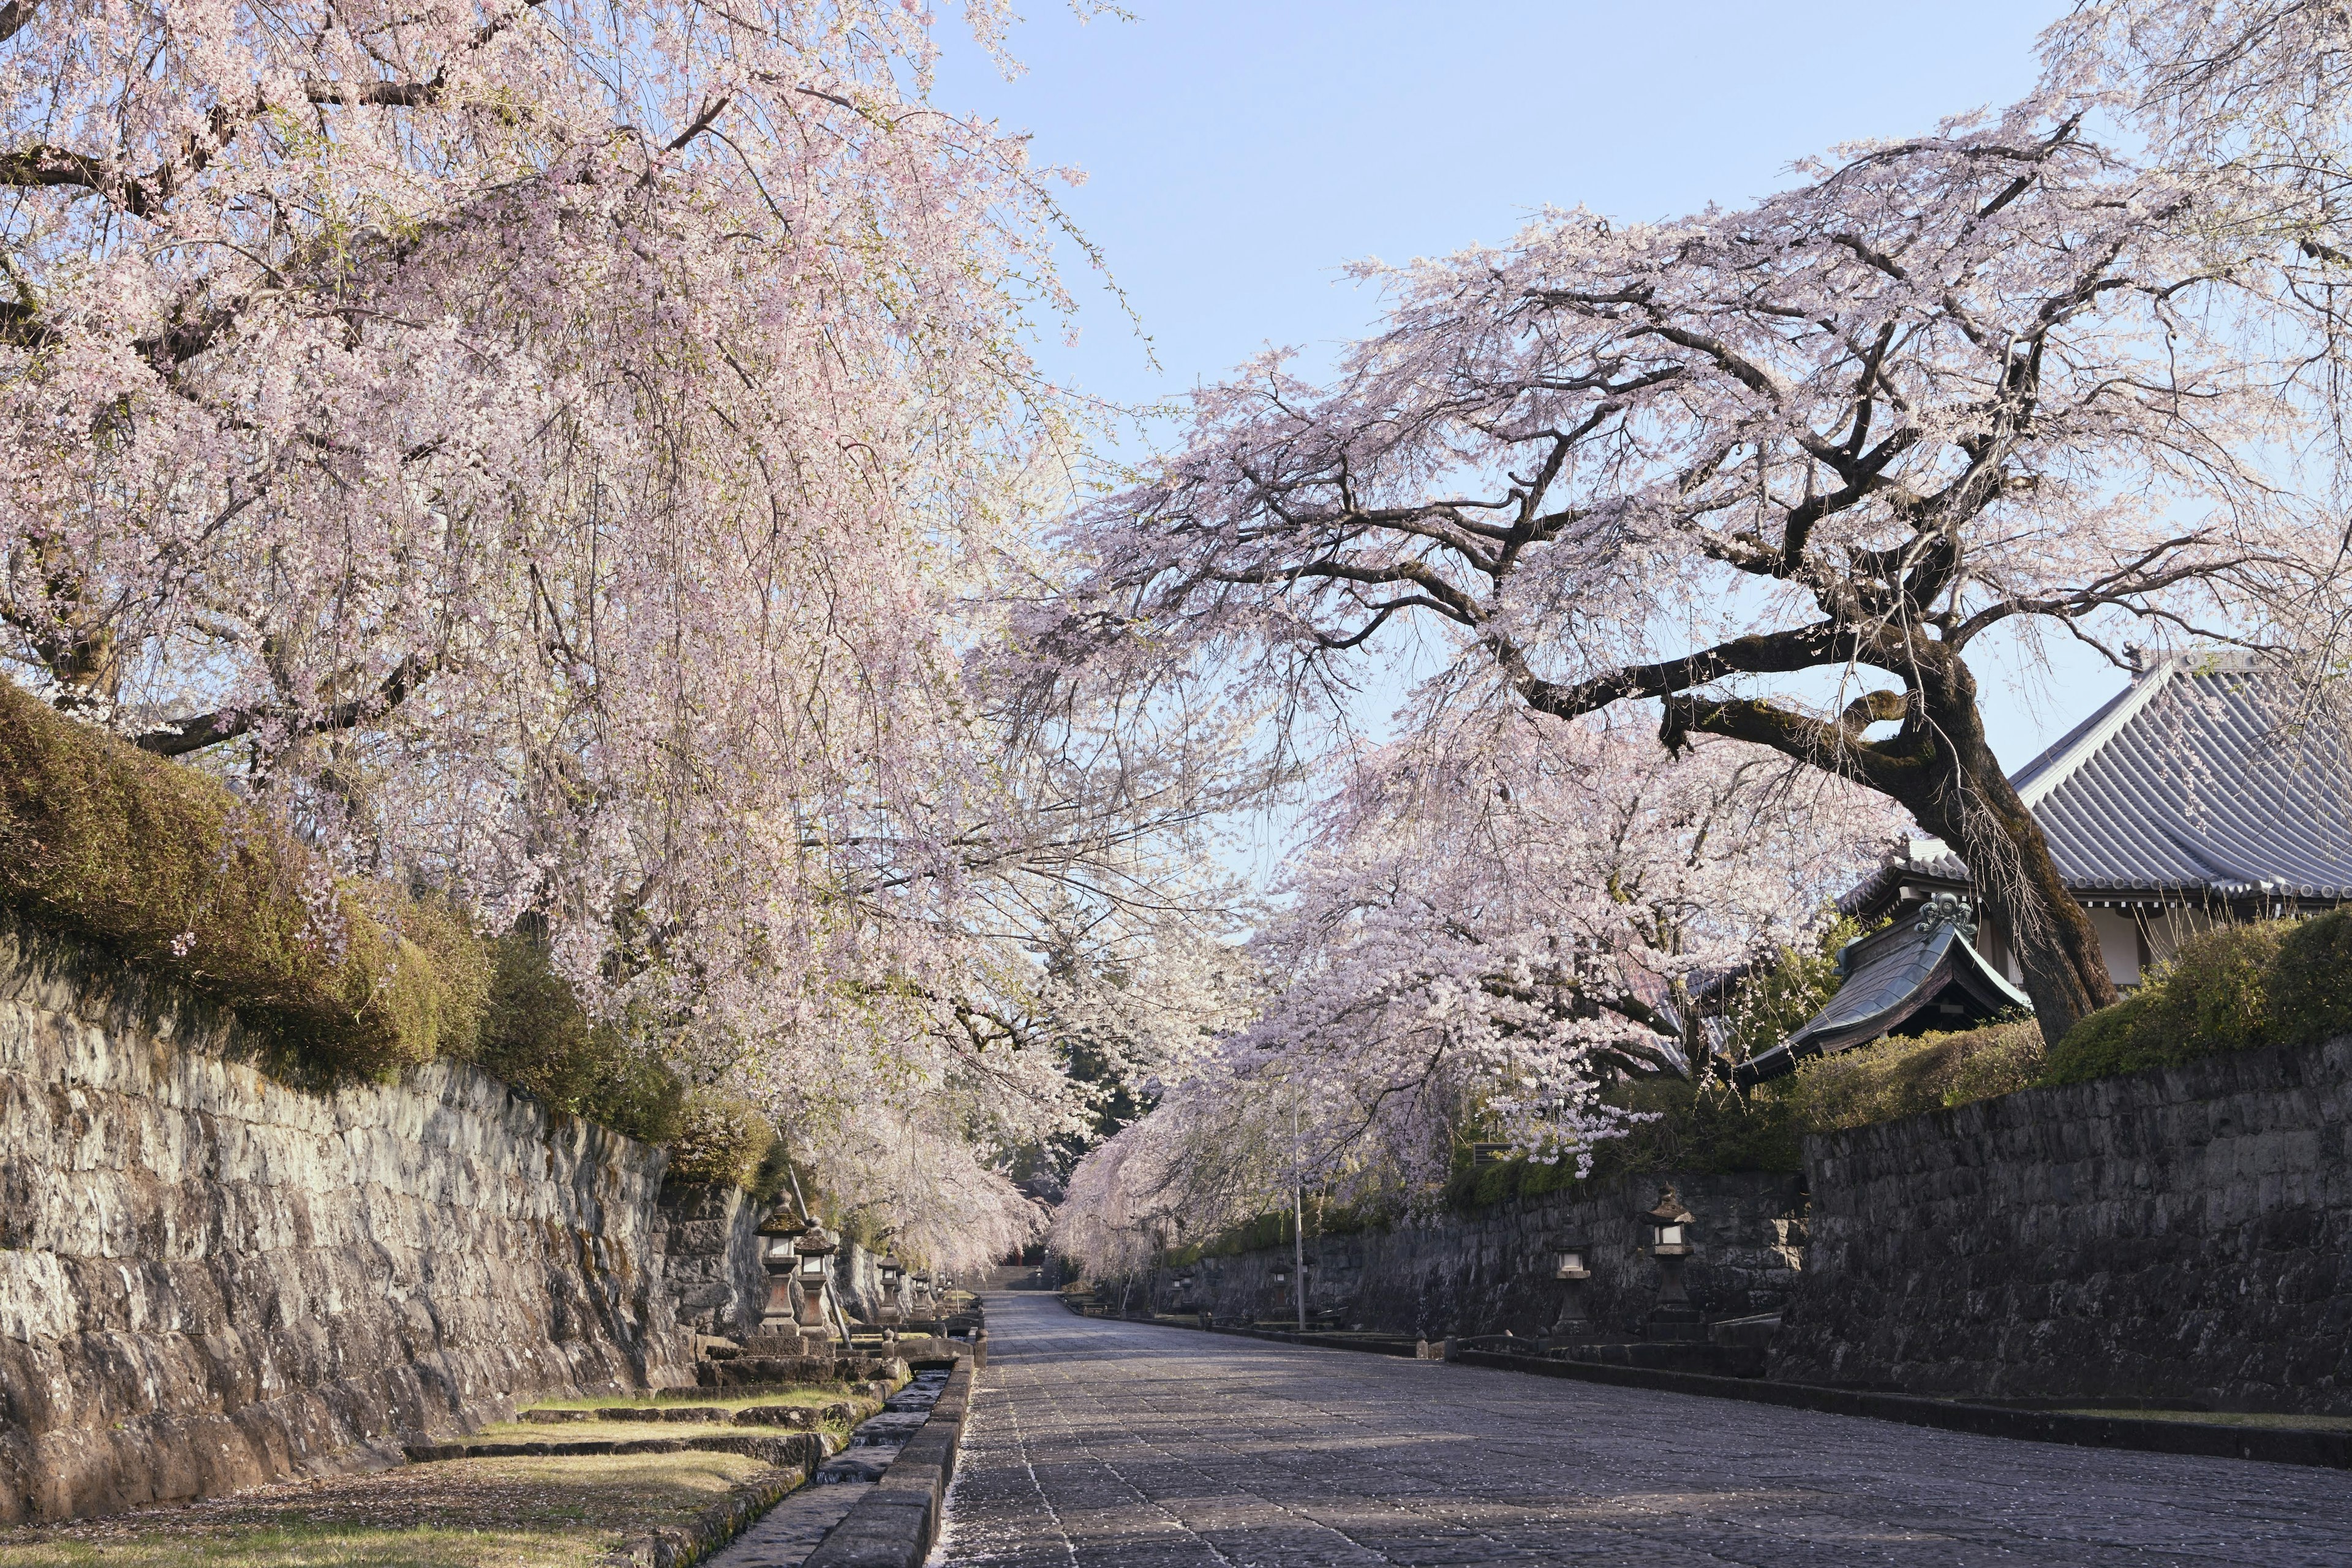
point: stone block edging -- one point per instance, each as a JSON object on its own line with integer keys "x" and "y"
{"x": 896, "y": 1523}
{"x": 716, "y": 1526}
{"x": 2281, "y": 1446}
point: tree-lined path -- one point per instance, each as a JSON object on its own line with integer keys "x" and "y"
{"x": 1132, "y": 1445}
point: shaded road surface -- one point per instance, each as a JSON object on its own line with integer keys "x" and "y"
{"x": 1129, "y": 1445}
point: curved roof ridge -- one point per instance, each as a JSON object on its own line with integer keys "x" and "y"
{"x": 2036, "y": 779}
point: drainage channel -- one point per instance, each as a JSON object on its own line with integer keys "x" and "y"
{"x": 788, "y": 1532}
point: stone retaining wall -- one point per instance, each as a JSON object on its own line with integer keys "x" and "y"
{"x": 208, "y": 1279}
{"x": 2176, "y": 1235}
{"x": 1491, "y": 1269}
{"x": 709, "y": 1237}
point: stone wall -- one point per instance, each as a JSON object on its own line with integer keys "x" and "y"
{"x": 710, "y": 1238}
{"x": 1490, "y": 1270}
{"x": 2182, "y": 1236}
{"x": 208, "y": 1279}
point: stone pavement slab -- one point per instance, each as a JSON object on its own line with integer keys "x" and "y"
{"x": 1096, "y": 1444}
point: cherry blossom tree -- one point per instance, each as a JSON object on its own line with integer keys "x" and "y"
{"x": 579, "y": 457}
{"x": 1491, "y": 922}
{"x": 1775, "y": 472}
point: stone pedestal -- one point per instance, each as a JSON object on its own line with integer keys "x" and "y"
{"x": 1678, "y": 1323}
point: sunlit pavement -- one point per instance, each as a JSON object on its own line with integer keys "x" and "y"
{"x": 1133, "y": 1446}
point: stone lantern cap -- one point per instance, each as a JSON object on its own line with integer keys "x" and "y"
{"x": 781, "y": 1221}
{"x": 816, "y": 1241}
{"x": 1670, "y": 1210}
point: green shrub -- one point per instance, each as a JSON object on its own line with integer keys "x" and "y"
{"x": 2311, "y": 981}
{"x": 160, "y": 864}
{"x": 721, "y": 1139}
{"x": 2109, "y": 1041}
{"x": 536, "y": 1035}
{"x": 2213, "y": 996}
{"x": 1904, "y": 1076}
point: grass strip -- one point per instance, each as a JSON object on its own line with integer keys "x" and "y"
{"x": 465, "y": 1513}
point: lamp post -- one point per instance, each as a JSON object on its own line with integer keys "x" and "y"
{"x": 815, "y": 1249}
{"x": 892, "y": 1309}
{"x": 1571, "y": 1265}
{"x": 1674, "y": 1318}
{"x": 776, "y": 1258}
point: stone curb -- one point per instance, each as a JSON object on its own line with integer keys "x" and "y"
{"x": 714, "y": 1528}
{"x": 894, "y": 1525}
{"x": 803, "y": 1416}
{"x": 2278, "y": 1446}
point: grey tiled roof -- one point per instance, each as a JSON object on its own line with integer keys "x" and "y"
{"x": 2196, "y": 779}
{"x": 1897, "y": 975}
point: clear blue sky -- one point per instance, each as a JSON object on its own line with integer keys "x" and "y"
{"x": 1236, "y": 155}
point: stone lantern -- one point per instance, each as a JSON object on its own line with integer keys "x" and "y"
{"x": 920, "y": 1302}
{"x": 892, "y": 1309}
{"x": 814, "y": 1251}
{"x": 1571, "y": 1265}
{"x": 776, "y": 1233}
{"x": 1674, "y": 1318}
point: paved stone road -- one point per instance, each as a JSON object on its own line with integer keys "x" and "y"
{"x": 1129, "y": 1445}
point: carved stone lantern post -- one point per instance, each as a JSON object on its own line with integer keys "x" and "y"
{"x": 892, "y": 1309}
{"x": 1674, "y": 1318}
{"x": 776, "y": 1233}
{"x": 922, "y": 1303}
{"x": 1571, "y": 1265}
{"x": 814, "y": 1251}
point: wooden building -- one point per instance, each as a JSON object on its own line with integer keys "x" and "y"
{"x": 2201, "y": 795}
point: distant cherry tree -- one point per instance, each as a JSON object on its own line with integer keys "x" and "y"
{"x": 1489, "y": 925}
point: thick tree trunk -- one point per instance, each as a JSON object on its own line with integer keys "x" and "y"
{"x": 1942, "y": 771}
{"x": 1974, "y": 809}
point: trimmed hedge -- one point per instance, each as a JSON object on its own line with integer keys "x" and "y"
{"x": 1711, "y": 1129}
{"x": 1898, "y": 1077}
{"x": 159, "y": 863}
{"x": 536, "y": 1037}
{"x": 2287, "y": 982}
{"x": 720, "y": 1139}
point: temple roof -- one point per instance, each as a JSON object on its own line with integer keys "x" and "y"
{"x": 1891, "y": 976}
{"x": 2194, "y": 779}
